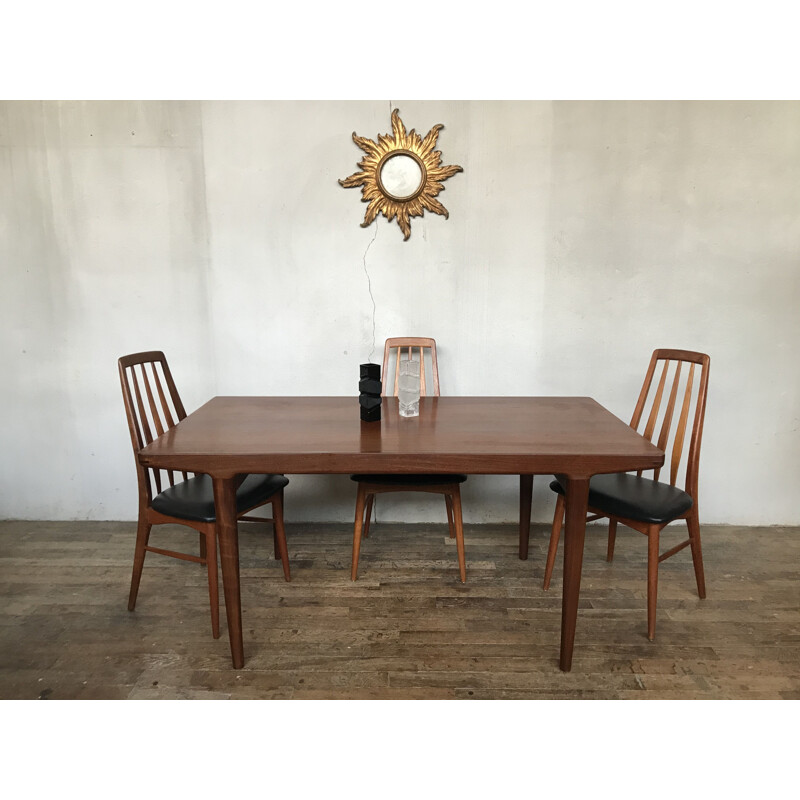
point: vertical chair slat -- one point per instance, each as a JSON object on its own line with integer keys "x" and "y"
{"x": 151, "y": 400}
{"x": 148, "y": 436}
{"x": 648, "y": 381}
{"x": 663, "y": 437}
{"x": 651, "y": 421}
{"x": 133, "y": 417}
{"x": 422, "y": 372}
{"x": 173, "y": 392}
{"x": 434, "y": 372}
{"x": 156, "y": 473}
{"x": 164, "y": 404}
{"x": 697, "y": 428}
{"x": 397, "y": 369}
{"x": 677, "y": 446}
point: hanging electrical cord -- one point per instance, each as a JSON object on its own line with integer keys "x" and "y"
{"x": 369, "y": 287}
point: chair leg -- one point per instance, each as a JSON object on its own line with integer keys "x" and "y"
{"x": 202, "y": 546}
{"x": 448, "y": 502}
{"x": 368, "y": 514}
{"x": 458, "y": 523}
{"x": 360, "y": 502}
{"x": 210, "y": 542}
{"x": 555, "y": 533}
{"x": 612, "y": 538}
{"x": 693, "y": 523}
{"x": 142, "y": 538}
{"x": 280, "y": 533}
{"x": 652, "y": 579}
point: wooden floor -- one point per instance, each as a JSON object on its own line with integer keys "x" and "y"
{"x": 407, "y": 628}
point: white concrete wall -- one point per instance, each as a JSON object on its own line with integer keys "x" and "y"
{"x": 581, "y": 236}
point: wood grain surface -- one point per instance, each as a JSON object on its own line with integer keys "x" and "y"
{"x": 408, "y": 628}
{"x": 491, "y": 435}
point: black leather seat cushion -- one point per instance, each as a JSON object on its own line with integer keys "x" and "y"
{"x": 642, "y": 499}
{"x": 409, "y": 480}
{"x": 194, "y": 498}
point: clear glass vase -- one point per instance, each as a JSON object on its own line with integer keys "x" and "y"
{"x": 408, "y": 388}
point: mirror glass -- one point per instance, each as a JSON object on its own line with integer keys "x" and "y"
{"x": 401, "y": 176}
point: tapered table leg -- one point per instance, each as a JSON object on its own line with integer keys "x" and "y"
{"x": 359, "y": 522}
{"x": 227, "y": 535}
{"x": 574, "y": 533}
{"x": 525, "y": 499}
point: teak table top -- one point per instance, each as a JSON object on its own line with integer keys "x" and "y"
{"x": 489, "y": 435}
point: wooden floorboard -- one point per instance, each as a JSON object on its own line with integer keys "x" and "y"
{"x": 407, "y": 629}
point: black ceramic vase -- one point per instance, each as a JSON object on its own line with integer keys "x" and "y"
{"x": 369, "y": 387}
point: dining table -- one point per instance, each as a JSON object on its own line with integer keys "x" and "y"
{"x": 572, "y": 438}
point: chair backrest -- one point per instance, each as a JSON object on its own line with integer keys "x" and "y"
{"x": 153, "y": 406}
{"x": 686, "y": 391}
{"x": 411, "y": 347}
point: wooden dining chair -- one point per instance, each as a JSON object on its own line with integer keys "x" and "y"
{"x": 395, "y": 350}
{"x": 648, "y": 505}
{"x": 153, "y": 406}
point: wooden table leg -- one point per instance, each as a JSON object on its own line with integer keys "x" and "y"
{"x": 228, "y": 538}
{"x": 359, "y": 522}
{"x": 525, "y": 499}
{"x": 574, "y": 533}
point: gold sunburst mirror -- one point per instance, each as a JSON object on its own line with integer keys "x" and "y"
{"x": 401, "y": 174}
